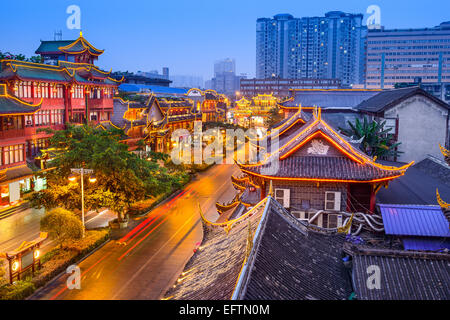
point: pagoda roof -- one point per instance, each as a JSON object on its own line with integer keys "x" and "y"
{"x": 330, "y": 158}
{"x": 11, "y": 105}
{"x": 79, "y": 46}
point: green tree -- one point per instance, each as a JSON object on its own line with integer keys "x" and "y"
{"x": 62, "y": 225}
{"x": 35, "y": 59}
{"x": 273, "y": 118}
{"x": 376, "y": 140}
{"x": 122, "y": 176}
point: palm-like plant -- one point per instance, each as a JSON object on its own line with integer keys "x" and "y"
{"x": 376, "y": 140}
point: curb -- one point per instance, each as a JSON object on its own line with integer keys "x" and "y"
{"x": 64, "y": 272}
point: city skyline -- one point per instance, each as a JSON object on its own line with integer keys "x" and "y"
{"x": 194, "y": 49}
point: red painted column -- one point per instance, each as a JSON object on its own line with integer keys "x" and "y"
{"x": 263, "y": 190}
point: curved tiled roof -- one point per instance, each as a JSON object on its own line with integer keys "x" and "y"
{"x": 65, "y": 72}
{"x": 348, "y": 164}
{"x": 213, "y": 271}
{"x": 79, "y": 46}
{"x": 403, "y": 277}
{"x": 265, "y": 256}
{"x": 10, "y": 105}
{"x": 291, "y": 262}
{"x": 325, "y": 168}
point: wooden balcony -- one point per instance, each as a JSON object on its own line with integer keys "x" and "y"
{"x": 100, "y": 104}
{"x": 14, "y": 133}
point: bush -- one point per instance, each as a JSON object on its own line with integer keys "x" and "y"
{"x": 57, "y": 260}
{"x": 18, "y": 291}
{"x": 62, "y": 225}
{"x": 53, "y": 263}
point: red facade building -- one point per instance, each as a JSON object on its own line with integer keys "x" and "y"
{"x": 67, "y": 88}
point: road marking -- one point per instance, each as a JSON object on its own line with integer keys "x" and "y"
{"x": 156, "y": 253}
{"x": 143, "y": 238}
{"x": 82, "y": 275}
{"x": 148, "y": 261}
{"x": 149, "y": 219}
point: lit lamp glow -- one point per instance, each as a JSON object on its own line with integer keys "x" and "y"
{"x": 72, "y": 178}
{"x": 92, "y": 179}
{"x": 15, "y": 266}
{"x": 37, "y": 253}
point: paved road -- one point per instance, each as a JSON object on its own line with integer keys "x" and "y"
{"x": 156, "y": 250}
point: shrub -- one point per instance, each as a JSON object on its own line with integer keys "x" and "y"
{"x": 18, "y": 291}
{"x": 62, "y": 225}
{"x": 57, "y": 260}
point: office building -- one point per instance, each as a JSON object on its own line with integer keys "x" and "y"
{"x": 407, "y": 55}
{"x": 331, "y": 47}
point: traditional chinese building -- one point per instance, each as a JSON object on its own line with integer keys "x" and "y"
{"x": 268, "y": 254}
{"x": 153, "y": 121}
{"x": 211, "y": 104}
{"x": 314, "y": 169}
{"x": 14, "y": 172}
{"x": 251, "y": 112}
{"x": 67, "y": 88}
{"x": 71, "y": 89}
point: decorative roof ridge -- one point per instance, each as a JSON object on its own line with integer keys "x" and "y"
{"x": 228, "y": 225}
{"x": 317, "y": 124}
{"x": 444, "y": 205}
{"x": 86, "y": 66}
{"x": 15, "y": 64}
{"x": 4, "y": 94}
{"x": 281, "y": 129}
{"x": 88, "y": 47}
{"x": 12, "y": 61}
{"x": 356, "y": 250}
{"x": 246, "y": 270}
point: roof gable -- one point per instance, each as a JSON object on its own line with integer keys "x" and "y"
{"x": 353, "y": 166}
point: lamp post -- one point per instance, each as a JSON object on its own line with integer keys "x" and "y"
{"x": 73, "y": 178}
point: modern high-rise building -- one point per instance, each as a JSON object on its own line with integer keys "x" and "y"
{"x": 330, "y": 47}
{"x": 225, "y": 66}
{"x": 407, "y": 56}
{"x": 225, "y": 80}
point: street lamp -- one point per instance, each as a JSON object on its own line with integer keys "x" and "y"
{"x": 73, "y": 178}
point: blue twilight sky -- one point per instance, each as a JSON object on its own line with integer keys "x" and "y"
{"x": 186, "y": 36}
